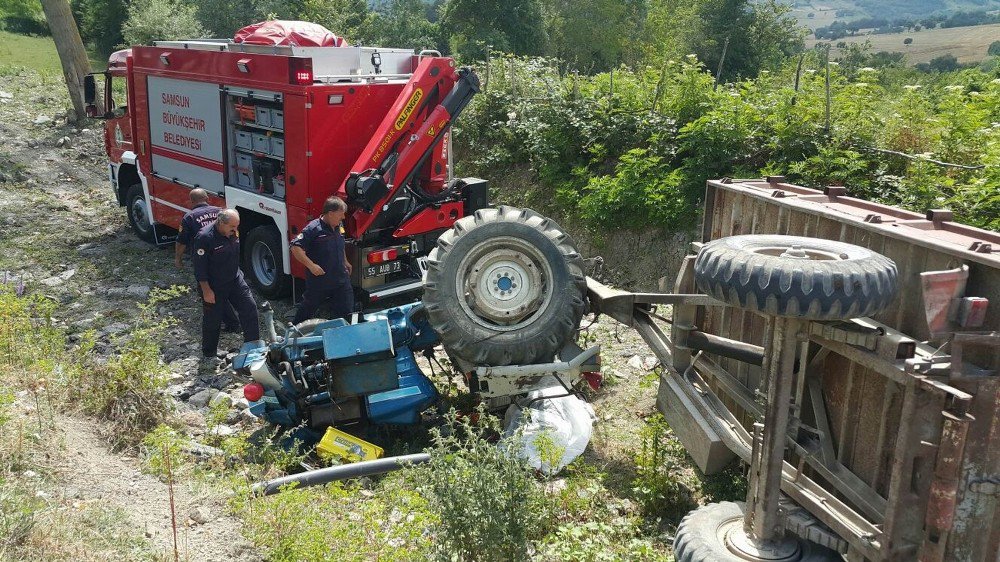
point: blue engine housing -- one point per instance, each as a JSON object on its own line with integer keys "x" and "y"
{"x": 402, "y": 406}
{"x": 349, "y": 361}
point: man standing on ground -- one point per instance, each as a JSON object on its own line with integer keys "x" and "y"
{"x": 217, "y": 269}
{"x": 320, "y": 247}
{"x": 201, "y": 215}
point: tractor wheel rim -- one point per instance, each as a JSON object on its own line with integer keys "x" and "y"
{"x": 140, "y": 216}
{"x": 504, "y": 284}
{"x": 264, "y": 265}
{"x": 743, "y": 545}
{"x": 800, "y": 252}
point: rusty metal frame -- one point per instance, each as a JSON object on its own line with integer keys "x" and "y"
{"x": 872, "y": 534}
{"x": 917, "y": 397}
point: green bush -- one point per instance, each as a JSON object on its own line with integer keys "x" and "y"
{"x": 23, "y": 16}
{"x": 660, "y": 486}
{"x": 100, "y": 23}
{"x": 127, "y": 390}
{"x": 150, "y": 20}
{"x": 643, "y": 191}
{"x": 18, "y": 516}
{"x": 634, "y": 148}
{"x": 483, "y": 497}
{"x": 29, "y": 338}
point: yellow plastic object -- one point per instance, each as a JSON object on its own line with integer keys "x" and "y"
{"x": 336, "y": 443}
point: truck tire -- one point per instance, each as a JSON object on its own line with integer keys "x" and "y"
{"x": 262, "y": 262}
{"x": 138, "y": 213}
{"x": 712, "y": 532}
{"x": 505, "y": 286}
{"x": 797, "y": 277}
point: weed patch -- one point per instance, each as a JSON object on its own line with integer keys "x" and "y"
{"x": 660, "y": 486}
{"x": 341, "y": 522}
{"x": 484, "y": 496}
{"x": 127, "y": 390}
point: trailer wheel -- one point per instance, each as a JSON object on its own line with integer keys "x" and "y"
{"x": 262, "y": 262}
{"x": 505, "y": 286}
{"x": 138, "y": 212}
{"x": 714, "y": 533}
{"x": 796, "y": 277}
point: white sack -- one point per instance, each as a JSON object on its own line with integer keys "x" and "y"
{"x": 567, "y": 421}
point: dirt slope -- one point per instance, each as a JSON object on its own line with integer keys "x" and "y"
{"x": 86, "y": 465}
{"x": 62, "y": 234}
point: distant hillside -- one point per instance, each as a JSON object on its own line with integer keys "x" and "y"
{"x": 967, "y": 44}
{"x": 817, "y": 13}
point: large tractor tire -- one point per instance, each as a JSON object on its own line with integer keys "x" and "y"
{"x": 262, "y": 262}
{"x": 796, "y": 277}
{"x": 714, "y": 533}
{"x": 138, "y": 213}
{"x": 505, "y": 286}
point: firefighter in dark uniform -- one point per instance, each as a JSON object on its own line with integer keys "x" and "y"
{"x": 217, "y": 269}
{"x": 320, "y": 247}
{"x": 200, "y": 216}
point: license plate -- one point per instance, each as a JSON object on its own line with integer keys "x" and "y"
{"x": 381, "y": 269}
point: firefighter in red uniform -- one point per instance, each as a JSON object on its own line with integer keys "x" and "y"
{"x": 217, "y": 269}
{"x": 320, "y": 247}
{"x": 201, "y": 215}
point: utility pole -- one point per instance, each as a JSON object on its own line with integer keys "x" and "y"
{"x": 73, "y": 56}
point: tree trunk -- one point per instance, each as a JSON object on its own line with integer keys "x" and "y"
{"x": 72, "y": 54}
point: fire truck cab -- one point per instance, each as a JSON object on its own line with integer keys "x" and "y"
{"x": 272, "y": 130}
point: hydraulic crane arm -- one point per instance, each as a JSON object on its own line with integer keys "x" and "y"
{"x": 405, "y": 139}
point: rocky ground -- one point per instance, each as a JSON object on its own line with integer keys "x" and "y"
{"x": 63, "y": 235}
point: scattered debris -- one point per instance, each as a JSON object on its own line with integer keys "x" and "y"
{"x": 200, "y": 515}
{"x": 221, "y": 398}
{"x": 202, "y": 398}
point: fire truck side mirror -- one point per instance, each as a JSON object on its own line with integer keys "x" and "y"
{"x": 90, "y": 97}
{"x": 89, "y": 91}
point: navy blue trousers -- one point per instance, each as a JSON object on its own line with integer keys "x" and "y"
{"x": 229, "y": 319}
{"x": 235, "y": 295}
{"x": 338, "y": 298}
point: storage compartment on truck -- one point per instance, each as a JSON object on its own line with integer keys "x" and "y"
{"x": 244, "y": 171}
{"x": 261, "y": 143}
{"x": 244, "y": 140}
{"x": 255, "y": 122}
{"x": 263, "y": 116}
{"x": 278, "y": 147}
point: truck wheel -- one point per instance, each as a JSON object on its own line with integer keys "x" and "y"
{"x": 138, "y": 212}
{"x": 505, "y": 286}
{"x": 714, "y": 533}
{"x": 262, "y": 262}
{"x": 797, "y": 277}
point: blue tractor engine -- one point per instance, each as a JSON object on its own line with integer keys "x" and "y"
{"x": 332, "y": 373}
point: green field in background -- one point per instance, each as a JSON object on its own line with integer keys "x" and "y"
{"x": 38, "y": 53}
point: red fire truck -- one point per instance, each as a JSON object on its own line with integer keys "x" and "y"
{"x": 273, "y": 130}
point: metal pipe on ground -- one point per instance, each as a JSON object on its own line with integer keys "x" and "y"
{"x": 341, "y": 472}
{"x": 745, "y": 352}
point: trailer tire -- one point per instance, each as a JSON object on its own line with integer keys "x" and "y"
{"x": 704, "y": 536}
{"x": 796, "y": 277}
{"x": 505, "y": 286}
{"x": 137, "y": 209}
{"x": 262, "y": 262}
